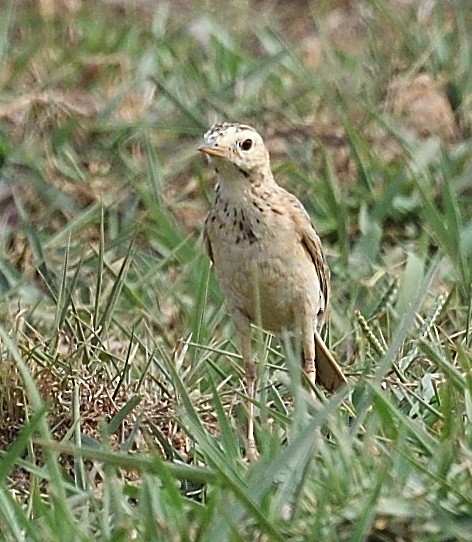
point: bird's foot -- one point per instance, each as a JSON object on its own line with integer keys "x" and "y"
{"x": 252, "y": 453}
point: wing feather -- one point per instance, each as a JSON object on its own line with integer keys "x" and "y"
{"x": 312, "y": 244}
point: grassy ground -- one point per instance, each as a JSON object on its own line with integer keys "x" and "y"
{"x": 121, "y": 386}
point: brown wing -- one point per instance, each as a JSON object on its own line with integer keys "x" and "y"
{"x": 312, "y": 244}
{"x": 328, "y": 372}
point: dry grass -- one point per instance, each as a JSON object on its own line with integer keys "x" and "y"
{"x": 108, "y": 303}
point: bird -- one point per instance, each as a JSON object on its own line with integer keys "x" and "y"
{"x": 267, "y": 255}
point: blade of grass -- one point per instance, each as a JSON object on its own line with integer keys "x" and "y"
{"x": 198, "y": 475}
{"x": 11, "y": 456}
{"x": 57, "y": 488}
{"x": 398, "y": 339}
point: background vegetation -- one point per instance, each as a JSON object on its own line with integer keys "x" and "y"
{"x": 120, "y": 384}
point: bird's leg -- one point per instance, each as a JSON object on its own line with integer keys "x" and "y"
{"x": 250, "y": 383}
{"x": 250, "y": 372}
{"x": 308, "y": 343}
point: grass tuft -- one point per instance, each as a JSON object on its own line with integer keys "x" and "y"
{"x": 122, "y": 396}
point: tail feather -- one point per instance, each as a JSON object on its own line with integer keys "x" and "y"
{"x": 328, "y": 372}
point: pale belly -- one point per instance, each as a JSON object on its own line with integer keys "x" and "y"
{"x": 273, "y": 284}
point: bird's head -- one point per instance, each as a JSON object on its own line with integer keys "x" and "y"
{"x": 236, "y": 147}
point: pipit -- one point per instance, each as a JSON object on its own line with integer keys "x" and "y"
{"x": 267, "y": 255}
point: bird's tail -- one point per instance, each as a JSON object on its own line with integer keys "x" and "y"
{"x": 328, "y": 372}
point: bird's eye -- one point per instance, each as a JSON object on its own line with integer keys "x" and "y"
{"x": 246, "y": 144}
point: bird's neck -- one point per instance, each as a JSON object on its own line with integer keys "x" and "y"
{"x": 234, "y": 184}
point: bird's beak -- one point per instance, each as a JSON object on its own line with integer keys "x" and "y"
{"x": 213, "y": 150}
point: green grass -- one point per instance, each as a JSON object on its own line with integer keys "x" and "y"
{"x": 122, "y": 396}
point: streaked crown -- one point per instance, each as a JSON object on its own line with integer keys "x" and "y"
{"x": 238, "y": 144}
